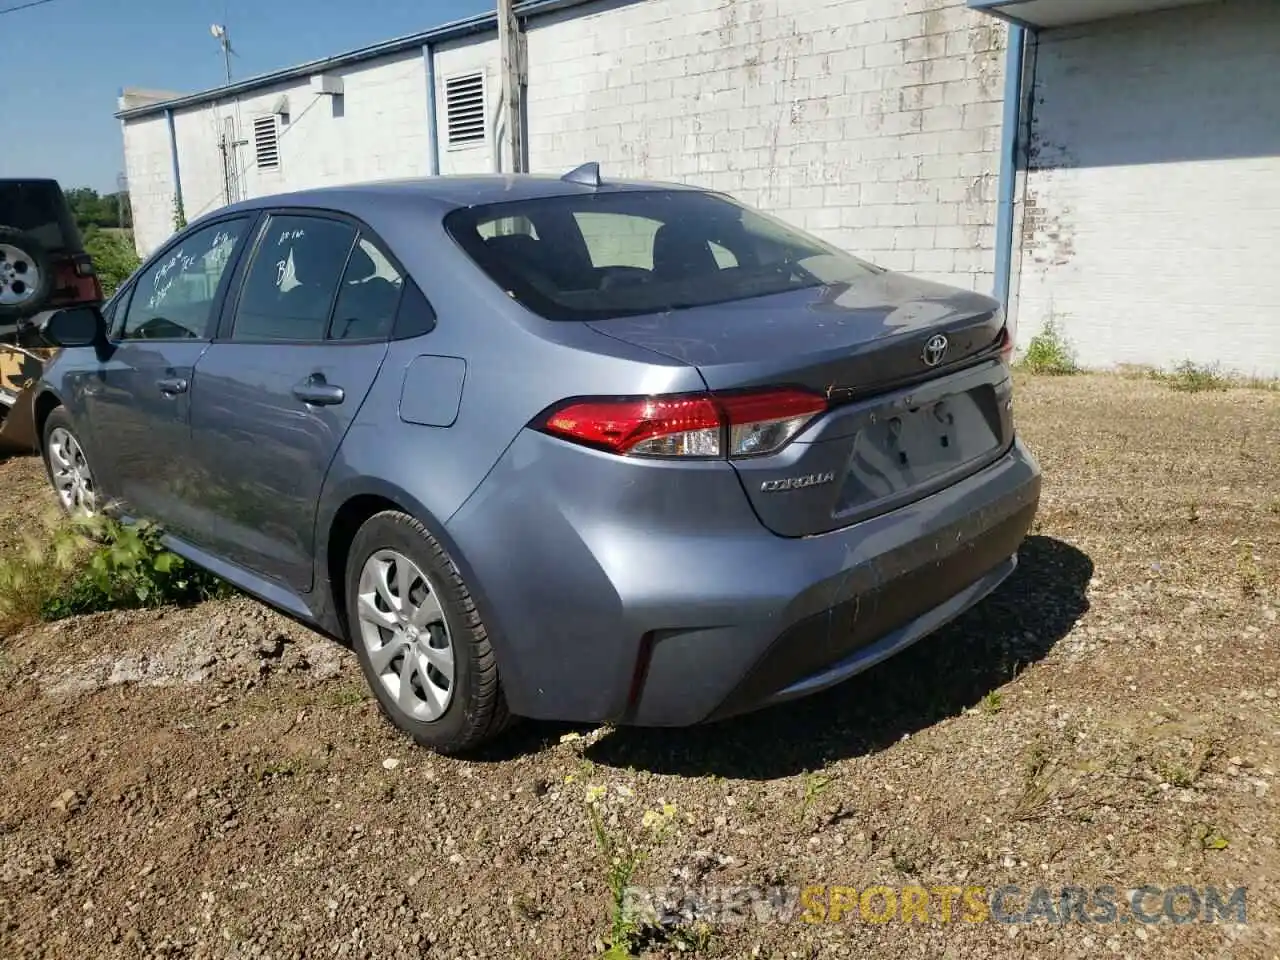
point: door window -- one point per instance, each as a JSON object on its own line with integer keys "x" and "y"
{"x": 173, "y": 298}
{"x": 293, "y": 279}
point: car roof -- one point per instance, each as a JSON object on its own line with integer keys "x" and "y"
{"x": 447, "y": 192}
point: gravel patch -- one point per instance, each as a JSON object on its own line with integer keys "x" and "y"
{"x": 215, "y": 782}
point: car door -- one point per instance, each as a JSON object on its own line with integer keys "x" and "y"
{"x": 273, "y": 396}
{"x": 138, "y": 402}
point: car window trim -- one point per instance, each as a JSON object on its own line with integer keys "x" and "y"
{"x": 119, "y": 308}
{"x": 226, "y": 319}
{"x": 337, "y": 291}
{"x": 114, "y": 337}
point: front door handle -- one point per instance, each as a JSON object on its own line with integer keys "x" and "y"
{"x": 314, "y": 390}
{"x": 172, "y": 386}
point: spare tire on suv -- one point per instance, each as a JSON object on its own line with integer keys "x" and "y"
{"x": 43, "y": 263}
{"x": 26, "y": 274}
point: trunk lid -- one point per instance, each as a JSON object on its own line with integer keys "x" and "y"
{"x": 845, "y": 340}
{"x": 899, "y": 426}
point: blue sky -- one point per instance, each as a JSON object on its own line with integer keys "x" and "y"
{"x": 68, "y": 60}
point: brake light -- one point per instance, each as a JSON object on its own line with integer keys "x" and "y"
{"x": 699, "y": 425}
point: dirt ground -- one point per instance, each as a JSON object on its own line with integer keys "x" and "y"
{"x": 214, "y": 781}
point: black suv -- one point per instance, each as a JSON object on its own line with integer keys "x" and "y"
{"x": 43, "y": 264}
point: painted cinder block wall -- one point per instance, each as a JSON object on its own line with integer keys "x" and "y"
{"x": 873, "y": 123}
{"x": 150, "y": 171}
{"x": 377, "y": 130}
{"x": 1151, "y": 225}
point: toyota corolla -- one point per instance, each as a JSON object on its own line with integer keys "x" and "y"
{"x": 552, "y": 447}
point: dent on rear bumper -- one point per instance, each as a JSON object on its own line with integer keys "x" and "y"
{"x": 608, "y": 577}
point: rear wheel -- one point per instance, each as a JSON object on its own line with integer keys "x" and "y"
{"x": 419, "y": 638}
{"x": 26, "y": 274}
{"x": 68, "y": 467}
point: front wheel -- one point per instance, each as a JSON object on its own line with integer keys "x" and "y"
{"x": 68, "y": 467}
{"x": 420, "y": 641}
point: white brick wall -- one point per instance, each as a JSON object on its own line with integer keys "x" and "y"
{"x": 147, "y": 158}
{"x": 382, "y": 133}
{"x": 1152, "y": 220}
{"x": 873, "y": 123}
{"x": 466, "y": 57}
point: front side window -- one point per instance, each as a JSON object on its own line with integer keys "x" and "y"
{"x": 612, "y": 254}
{"x": 293, "y": 279}
{"x": 173, "y": 298}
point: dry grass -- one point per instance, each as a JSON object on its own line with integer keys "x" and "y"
{"x": 1110, "y": 716}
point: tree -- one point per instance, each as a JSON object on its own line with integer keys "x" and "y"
{"x": 91, "y": 210}
{"x": 114, "y": 258}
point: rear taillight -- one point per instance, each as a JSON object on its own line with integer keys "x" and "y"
{"x": 82, "y": 263}
{"x": 75, "y": 280}
{"x": 1006, "y": 345}
{"x": 765, "y": 422}
{"x": 698, "y": 425}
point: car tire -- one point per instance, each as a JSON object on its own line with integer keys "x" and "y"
{"x": 67, "y": 466}
{"x": 428, "y": 661}
{"x": 26, "y": 275}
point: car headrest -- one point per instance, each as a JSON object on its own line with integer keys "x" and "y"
{"x": 361, "y": 265}
{"x": 680, "y": 252}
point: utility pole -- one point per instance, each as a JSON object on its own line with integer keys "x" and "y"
{"x": 511, "y": 41}
{"x": 122, "y": 184}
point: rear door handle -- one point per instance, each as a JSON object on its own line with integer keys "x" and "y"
{"x": 172, "y": 386}
{"x": 314, "y": 390}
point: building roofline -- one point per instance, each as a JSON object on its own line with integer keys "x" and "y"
{"x": 482, "y": 23}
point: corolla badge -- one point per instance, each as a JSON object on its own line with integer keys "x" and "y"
{"x": 935, "y": 348}
{"x": 798, "y": 483}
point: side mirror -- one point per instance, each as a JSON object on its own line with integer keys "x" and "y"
{"x": 75, "y": 327}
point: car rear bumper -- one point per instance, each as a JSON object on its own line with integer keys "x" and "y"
{"x": 696, "y": 612}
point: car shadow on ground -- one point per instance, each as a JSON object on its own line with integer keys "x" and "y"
{"x": 942, "y": 675}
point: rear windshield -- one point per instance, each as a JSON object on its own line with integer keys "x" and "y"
{"x": 601, "y": 255}
{"x": 39, "y": 208}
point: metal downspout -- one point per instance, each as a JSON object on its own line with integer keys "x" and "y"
{"x": 173, "y": 156}
{"x": 1014, "y": 54}
{"x": 433, "y": 125}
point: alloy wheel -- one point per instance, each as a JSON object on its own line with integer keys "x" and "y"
{"x": 19, "y": 276}
{"x": 72, "y": 478}
{"x": 405, "y": 634}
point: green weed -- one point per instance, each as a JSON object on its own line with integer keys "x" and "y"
{"x": 1190, "y": 377}
{"x": 1049, "y": 353}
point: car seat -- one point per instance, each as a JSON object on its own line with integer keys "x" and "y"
{"x": 366, "y": 307}
{"x": 679, "y": 252}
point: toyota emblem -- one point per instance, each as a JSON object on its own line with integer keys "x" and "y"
{"x": 935, "y": 349}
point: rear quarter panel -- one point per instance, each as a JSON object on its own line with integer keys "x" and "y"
{"x": 516, "y": 365}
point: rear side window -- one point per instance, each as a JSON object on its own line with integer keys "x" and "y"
{"x": 39, "y": 208}
{"x": 368, "y": 295}
{"x": 610, "y": 254}
{"x": 293, "y": 280}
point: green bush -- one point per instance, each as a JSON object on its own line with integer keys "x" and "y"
{"x": 1049, "y": 353}
{"x": 35, "y": 573}
{"x": 71, "y": 567}
{"x": 127, "y": 568}
{"x": 1191, "y": 378}
{"x": 114, "y": 258}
